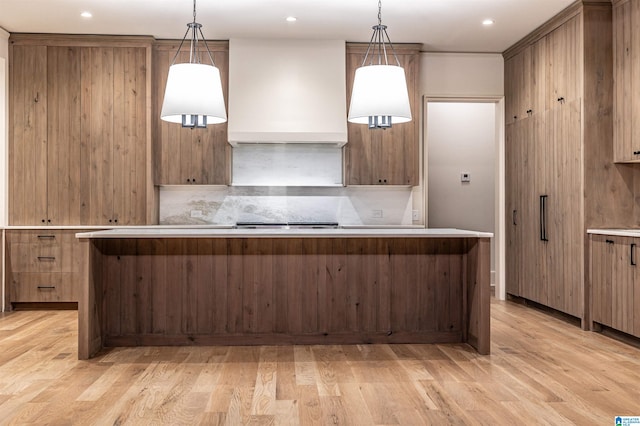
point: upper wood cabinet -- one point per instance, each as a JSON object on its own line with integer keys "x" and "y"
{"x": 189, "y": 156}
{"x": 79, "y": 145}
{"x": 525, "y": 82}
{"x": 626, "y": 95}
{"x": 384, "y": 157}
{"x": 45, "y": 149}
{"x": 564, "y": 56}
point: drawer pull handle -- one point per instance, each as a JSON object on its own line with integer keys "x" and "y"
{"x": 46, "y": 287}
{"x": 609, "y": 241}
{"x": 46, "y": 258}
{"x": 47, "y": 237}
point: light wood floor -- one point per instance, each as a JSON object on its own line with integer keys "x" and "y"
{"x": 541, "y": 371}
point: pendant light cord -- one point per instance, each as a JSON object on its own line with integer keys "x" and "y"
{"x": 378, "y": 44}
{"x": 194, "y": 53}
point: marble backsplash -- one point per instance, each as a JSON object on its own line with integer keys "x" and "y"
{"x": 203, "y": 205}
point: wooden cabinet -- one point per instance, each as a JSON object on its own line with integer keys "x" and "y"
{"x": 44, "y": 153}
{"x": 384, "y": 157}
{"x": 114, "y": 126}
{"x": 626, "y": 105}
{"x": 42, "y": 266}
{"x": 564, "y": 54}
{"x": 615, "y": 283}
{"x": 79, "y": 144}
{"x": 525, "y": 81}
{"x": 189, "y": 156}
{"x": 559, "y": 174}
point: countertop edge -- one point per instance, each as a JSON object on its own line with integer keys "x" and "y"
{"x": 281, "y": 233}
{"x": 616, "y": 232}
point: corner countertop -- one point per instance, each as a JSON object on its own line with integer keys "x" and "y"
{"x": 616, "y": 232}
{"x": 221, "y": 232}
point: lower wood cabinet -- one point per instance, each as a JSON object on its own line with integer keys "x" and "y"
{"x": 615, "y": 283}
{"x": 42, "y": 266}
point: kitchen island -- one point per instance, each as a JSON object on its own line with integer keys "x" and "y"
{"x": 211, "y": 286}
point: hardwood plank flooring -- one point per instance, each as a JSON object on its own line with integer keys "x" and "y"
{"x": 541, "y": 371}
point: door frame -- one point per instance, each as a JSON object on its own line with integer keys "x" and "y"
{"x": 499, "y": 224}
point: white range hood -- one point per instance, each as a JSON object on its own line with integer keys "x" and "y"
{"x": 287, "y": 91}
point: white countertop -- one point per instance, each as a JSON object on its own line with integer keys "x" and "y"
{"x": 616, "y": 232}
{"x": 217, "y": 232}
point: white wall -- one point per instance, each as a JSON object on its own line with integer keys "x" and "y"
{"x": 467, "y": 76}
{"x": 455, "y": 149}
{"x": 461, "y": 75}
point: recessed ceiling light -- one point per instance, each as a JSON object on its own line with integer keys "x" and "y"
{"x": 86, "y": 14}
{"x": 488, "y": 22}
{"x": 291, "y": 19}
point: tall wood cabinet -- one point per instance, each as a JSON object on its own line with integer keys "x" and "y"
{"x": 79, "y": 143}
{"x": 559, "y": 173}
{"x": 189, "y": 156}
{"x": 384, "y": 157}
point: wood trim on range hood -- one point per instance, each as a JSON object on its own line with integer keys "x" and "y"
{"x": 287, "y": 91}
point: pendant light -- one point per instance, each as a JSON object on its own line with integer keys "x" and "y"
{"x": 379, "y": 96}
{"x": 193, "y": 95}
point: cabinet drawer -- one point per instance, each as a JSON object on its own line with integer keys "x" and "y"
{"x": 36, "y": 251}
{"x": 42, "y": 237}
{"x": 35, "y": 258}
{"x": 44, "y": 287}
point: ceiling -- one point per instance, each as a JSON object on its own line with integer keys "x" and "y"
{"x": 440, "y": 25}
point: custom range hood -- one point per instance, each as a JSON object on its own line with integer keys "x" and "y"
{"x": 287, "y": 91}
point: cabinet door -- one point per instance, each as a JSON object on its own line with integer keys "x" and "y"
{"x": 624, "y": 268}
{"x": 514, "y": 210}
{"x": 535, "y": 252}
{"x": 65, "y": 163}
{"x": 626, "y": 95}
{"x": 564, "y": 59}
{"x": 97, "y": 131}
{"x": 384, "y": 157}
{"x": 602, "y": 255}
{"x": 129, "y": 156}
{"x": 565, "y": 218}
{"x": 190, "y": 156}
{"x": 28, "y": 139}
{"x": 514, "y": 69}
{"x": 114, "y": 128}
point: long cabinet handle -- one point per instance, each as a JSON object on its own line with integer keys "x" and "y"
{"x": 46, "y": 258}
{"x": 543, "y": 218}
{"x": 46, "y": 287}
{"x": 514, "y": 217}
{"x": 47, "y": 237}
{"x": 632, "y": 254}
{"x": 609, "y": 241}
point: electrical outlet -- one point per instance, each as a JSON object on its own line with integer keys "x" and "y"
{"x": 465, "y": 177}
{"x": 415, "y": 215}
{"x": 196, "y": 213}
{"x": 376, "y": 213}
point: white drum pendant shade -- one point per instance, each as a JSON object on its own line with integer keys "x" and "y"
{"x": 193, "y": 89}
{"x": 379, "y": 90}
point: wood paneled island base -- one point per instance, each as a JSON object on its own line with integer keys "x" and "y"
{"x": 286, "y": 290}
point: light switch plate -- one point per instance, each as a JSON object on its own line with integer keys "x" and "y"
{"x": 465, "y": 177}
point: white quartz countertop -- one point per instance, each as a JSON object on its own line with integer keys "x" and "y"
{"x": 217, "y": 232}
{"x": 616, "y": 232}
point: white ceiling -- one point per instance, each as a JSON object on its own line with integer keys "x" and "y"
{"x": 441, "y": 25}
